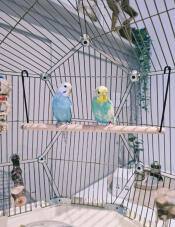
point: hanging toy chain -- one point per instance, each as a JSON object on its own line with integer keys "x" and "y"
{"x": 166, "y": 93}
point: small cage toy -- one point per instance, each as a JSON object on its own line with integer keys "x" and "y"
{"x": 4, "y": 87}
{"x": 4, "y": 105}
{"x": 3, "y": 126}
{"x": 18, "y": 192}
{"x": 4, "y": 112}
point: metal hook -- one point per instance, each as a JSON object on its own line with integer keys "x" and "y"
{"x": 167, "y": 67}
{"x": 24, "y": 93}
{"x": 166, "y": 93}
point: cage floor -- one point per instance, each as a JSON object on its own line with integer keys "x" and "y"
{"x": 138, "y": 201}
{"x": 72, "y": 216}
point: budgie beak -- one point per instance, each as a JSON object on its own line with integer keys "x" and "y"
{"x": 104, "y": 94}
{"x": 70, "y": 91}
{"x": 103, "y": 97}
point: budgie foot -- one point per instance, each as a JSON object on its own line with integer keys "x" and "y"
{"x": 59, "y": 123}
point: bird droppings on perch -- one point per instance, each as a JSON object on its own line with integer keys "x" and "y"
{"x": 95, "y": 128}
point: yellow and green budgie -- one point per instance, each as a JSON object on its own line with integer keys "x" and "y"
{"x": 102, "y": 107}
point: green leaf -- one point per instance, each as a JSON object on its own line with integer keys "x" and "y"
{"x": 131, "y": 146}
{"x": 141, "y": 149}
{"x": 132, "y": 138}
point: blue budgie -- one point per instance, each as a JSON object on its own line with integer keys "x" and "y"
{"x": 102, "y": 106}
{"x": 61, "y": 103}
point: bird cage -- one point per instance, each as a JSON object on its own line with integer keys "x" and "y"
{"x": 114, "y": 169}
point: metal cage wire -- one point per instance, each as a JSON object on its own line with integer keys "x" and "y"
{"x": 45, "y": 37}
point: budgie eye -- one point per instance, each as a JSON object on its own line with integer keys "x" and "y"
{"x": 65, "y": 85}
{"x": 98, "y": 92}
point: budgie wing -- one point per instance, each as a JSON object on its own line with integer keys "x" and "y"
{"x": 96, "y": 108}
{"x": 54, "y": 108}
{"x": 111, "y": 112}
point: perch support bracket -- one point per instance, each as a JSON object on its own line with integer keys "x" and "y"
{"x": 24, "y": 93}
{"x": 166, "y": 93}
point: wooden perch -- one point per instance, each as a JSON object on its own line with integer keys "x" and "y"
{"x": 95, "y": 128}
{"x": 18, "y": 192}
{"x": 165, "y": 203}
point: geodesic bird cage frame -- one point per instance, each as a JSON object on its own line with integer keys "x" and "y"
{"x": 48, "y": 40}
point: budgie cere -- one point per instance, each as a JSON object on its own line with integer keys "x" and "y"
{"x": 102, "y": 106}
{"x": 61, "y": 103}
